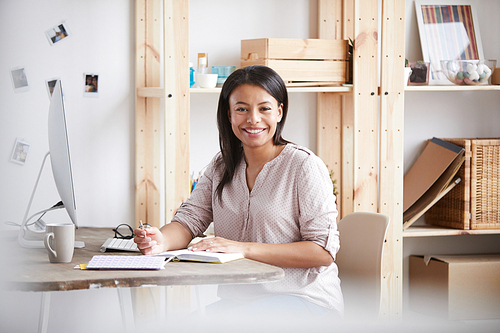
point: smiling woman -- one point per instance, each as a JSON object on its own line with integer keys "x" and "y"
{"x": 269, "y": 199}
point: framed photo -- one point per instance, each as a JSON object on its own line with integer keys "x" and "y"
{"x": 50, "y": 84}
{"x": 449, "y": 30}
{"x": 57, "y": 33}
{"x": 19, "y": 79}
{"x": 20, "y": 152}
{"x": 91, "y": 85}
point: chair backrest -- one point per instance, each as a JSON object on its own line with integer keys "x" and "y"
{"x": 362, "y": 239}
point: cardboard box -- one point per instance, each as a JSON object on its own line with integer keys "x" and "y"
{"x": 299, "y": 61}
{"x": 456, "y": 287}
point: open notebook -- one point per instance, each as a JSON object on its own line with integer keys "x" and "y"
{"x": 202, "y": 256}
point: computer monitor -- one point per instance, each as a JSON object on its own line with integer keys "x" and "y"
{"x": 61, "y": 166}
{"x": 59, "y": 152}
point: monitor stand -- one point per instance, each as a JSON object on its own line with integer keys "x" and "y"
{"x": 38, "y": 244}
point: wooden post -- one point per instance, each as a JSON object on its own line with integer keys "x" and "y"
{"x": 329, "y": 105}
{"x": 347, "y": 195}
{"x": 176, "y": 53}
{"x": 391, "y": 152}
{"x": 149, "y": 31}
{"x": 365, "y": 92}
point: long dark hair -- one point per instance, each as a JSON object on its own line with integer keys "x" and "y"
{"x": 230, "y": 146}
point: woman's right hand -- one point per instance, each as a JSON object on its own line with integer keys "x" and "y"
{"x": 149, "y": 240}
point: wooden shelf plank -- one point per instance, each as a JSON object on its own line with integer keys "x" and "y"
{"x": 339, "y": 89}
{"x": 452, "y": 88}
{"x": 431, "y": 231}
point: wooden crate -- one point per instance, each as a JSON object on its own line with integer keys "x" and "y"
{"x": 475, "y": 202}
{"x": 299, "y": 61}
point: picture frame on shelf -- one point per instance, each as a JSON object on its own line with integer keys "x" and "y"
{"x": 449, "y": 30}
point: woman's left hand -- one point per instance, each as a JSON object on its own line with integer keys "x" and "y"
{"x": 218, "y": 244}
{"x": 303, "y": 254}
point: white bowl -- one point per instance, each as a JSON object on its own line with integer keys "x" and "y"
{"x": 207, "y": 80}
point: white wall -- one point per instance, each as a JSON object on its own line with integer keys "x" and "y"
{"x": 217, "y": 28}
{"x": 101, "y": 134}
{"x": 101, "y": 130}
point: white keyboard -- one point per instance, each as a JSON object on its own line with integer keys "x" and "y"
{"x": 120, "y": 245}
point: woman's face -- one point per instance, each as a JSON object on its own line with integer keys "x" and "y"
{"x": 254, "y": 114}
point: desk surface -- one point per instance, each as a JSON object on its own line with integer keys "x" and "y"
{"x": 30, "y": 269}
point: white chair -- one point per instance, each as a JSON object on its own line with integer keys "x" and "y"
{"x": 362, "y": 239}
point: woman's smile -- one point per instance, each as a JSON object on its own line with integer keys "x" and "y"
{"x": 254, "y": 130}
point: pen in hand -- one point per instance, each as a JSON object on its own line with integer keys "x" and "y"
{"x": 143, "y": 226}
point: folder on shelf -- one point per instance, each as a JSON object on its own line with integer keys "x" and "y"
{"x": 422, "y": 206}
{"x": 430, "y": 178}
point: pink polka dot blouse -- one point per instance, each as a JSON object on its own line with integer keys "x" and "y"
{"x": 292, "y": 200}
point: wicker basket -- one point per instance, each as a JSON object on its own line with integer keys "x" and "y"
{"x": 475, "y": 202}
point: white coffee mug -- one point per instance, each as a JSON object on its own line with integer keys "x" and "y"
{"x": 59, "y": 240}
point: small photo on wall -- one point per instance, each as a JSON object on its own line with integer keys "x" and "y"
{"x": 91, "y": 85}
{"x": 57, "y": 33}
{"x": 19, "y": 79}
{"x": 20, "y": 153}
{"x": 50, "y": 84}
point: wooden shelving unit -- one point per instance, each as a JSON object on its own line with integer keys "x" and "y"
{"x": 349, "y": 118}
{"x": 359, "y": 130}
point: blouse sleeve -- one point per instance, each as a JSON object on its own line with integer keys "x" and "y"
{"x": 196, "y": 213}
{"x": 318, "y": 211}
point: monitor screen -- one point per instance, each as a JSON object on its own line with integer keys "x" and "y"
{"x": 59, "y": 152}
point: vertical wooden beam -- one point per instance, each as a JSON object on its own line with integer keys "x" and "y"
{"x": 365, "y": 94}
{"x": 330, "y": 15}
{"x": 329, "y": 130}
{"x": 347, "y": 195}
{"x": 177, "y": 111}
{"x": 176, "y": 53}
{"x": 329, "y": 105}
{"x": 347, "y": 19}
{"x": 391, "y": 151}
{"x": 147, "y": 112}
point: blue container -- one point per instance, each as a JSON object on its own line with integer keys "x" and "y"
{"x": 223, "y": 72}
{"x": 191, "y": 76}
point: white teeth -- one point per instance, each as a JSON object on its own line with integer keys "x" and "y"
{"x": 254, "y": 131}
